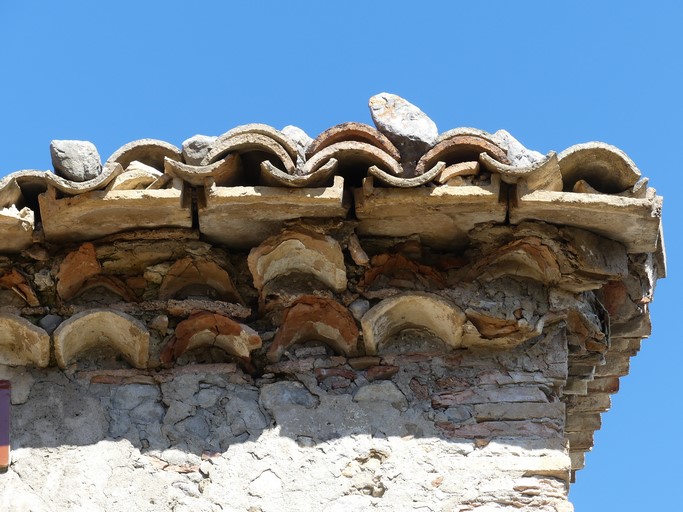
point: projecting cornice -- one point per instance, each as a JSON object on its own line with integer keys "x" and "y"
{"x": 254, "y": 178}
{"x": 260, "y": 240}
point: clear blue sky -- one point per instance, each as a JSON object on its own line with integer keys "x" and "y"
{"x": 552, "y": 73}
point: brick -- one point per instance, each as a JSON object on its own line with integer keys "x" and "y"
{"x": 583, "y": 422}
{"x": 5, "y": 398}
{"x": 604, "y": 385}
{"x": 519, "y": 411}
{"x": 482, "y": 396}
{"x": 580, "y": 441}
{"x": 595, "y": 402}
{"x": 500, "y": 429}
{"x": 616, "y": 365}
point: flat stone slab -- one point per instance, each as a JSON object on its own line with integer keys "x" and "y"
{"x": 243, "y": 217}
{"x": 441, "y": 216}
{"x": 103, "y": 213}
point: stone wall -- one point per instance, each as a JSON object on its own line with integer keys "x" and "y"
{"x": 401, "y": 378}
{"x": 425, "y": 431}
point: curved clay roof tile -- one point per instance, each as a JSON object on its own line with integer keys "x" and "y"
{"x": 605, "y": 168}
{"x": 224, "y": 172}
{"x": 248, "y": 142}
{"x": 459, "y": 148}
{"x": 415, "y": 181}
{"x": 469, "y": 131}
{"x": 148, "y": 151}
{"x": 542, "y": 175}
{"x": 355, "y": 152}
{"x": 138, "y": 176}
{"x": 11, "y": 186}
{"x": 259, "y": 129}
{"x": 358, "y": 132}
{"x": 271, "y": 175}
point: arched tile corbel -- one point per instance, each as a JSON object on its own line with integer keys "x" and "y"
{"x": 22, "y": 343}
{"x": 412, "y": 310}
{"x": 527, "y": 257}
{"x": 299, "y": 251}
{"x": 395, "y": 267}
{"x": 206, "y": 329}
{"x": 607, "y": 169}
{"x": 111, "y": 283}
{"x": 312, "y": 318}
{"x": 188, "y": 273}
{"x": 97, "y": 326}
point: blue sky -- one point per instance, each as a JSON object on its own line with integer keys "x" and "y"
{"x": 552, "y": 73}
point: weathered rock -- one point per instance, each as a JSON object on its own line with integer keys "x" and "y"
{"x": 43, "y": 280}
{"x": 75, "y": 160}
{"x": 302, "y": 141}
{"x": 517, "y": 154}
{"x": 300, "y": 137}
{"x": 358, "y": 255}
{"x": 384, "y": 391}
{"x": 359, "y": 307}
{"x": 50, "y": 322}
{"x": 159, "y": 323}
{"x": 285, "y": 394}
{"x": 22, "y": 381}
{"x": 196, "y": 148}
{"x": 405, "y": 125}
